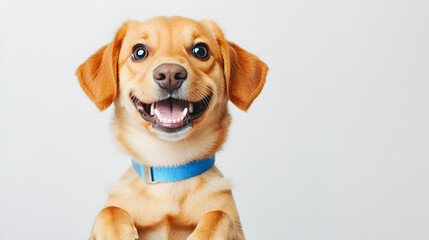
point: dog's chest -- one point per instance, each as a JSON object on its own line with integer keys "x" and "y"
{"x": 159, "y": 211}
{"x": 166, "y": 229}
{"x": 168, "y": 210}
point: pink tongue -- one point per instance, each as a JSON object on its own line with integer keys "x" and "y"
{"x": 171, "y": 109}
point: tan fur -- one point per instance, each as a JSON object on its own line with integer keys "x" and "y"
{"x": 201, "y": 207}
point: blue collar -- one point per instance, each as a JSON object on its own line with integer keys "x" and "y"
{"x": 172, "y": 174}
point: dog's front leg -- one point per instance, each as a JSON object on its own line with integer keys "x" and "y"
{"x": 217, "y": 225}
{"x": 114, "y": 223}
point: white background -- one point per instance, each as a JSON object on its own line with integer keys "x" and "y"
{"x": 336, "y": 146}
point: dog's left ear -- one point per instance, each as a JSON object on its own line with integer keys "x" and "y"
{"x": 244, "y": 72}
{"x": 98, "y": 76}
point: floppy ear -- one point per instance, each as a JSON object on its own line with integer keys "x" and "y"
{"x": 245, "y": 75}
{"x": 244, "y": 72}
{"x": 98, "y": 76}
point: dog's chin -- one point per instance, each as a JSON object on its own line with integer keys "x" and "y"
{"x": 171, "y": 118}
{"x": 174, "y": 136}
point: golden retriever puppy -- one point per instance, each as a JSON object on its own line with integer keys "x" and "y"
{"x": 170, "y": 80}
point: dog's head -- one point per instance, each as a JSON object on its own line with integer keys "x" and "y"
{"x": 172, "y": 76}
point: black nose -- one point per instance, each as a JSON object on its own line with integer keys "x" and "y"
{"x": 170, "y": 76}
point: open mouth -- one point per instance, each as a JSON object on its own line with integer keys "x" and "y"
{"x": 171, "y": 115}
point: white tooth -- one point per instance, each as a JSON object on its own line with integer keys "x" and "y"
{"x": 152, "y": 109}
{"x": 185, "y": 112}
{"x": 174, "y": 120}
{"x": 191, "y": 107}
{"x": 158, "y": 114}
{"x": 170, "y": 121}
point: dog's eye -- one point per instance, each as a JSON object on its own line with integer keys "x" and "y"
{"x": 201, "y": 51}
{"x": 139, "y": 53}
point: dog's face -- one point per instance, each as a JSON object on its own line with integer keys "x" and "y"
{"x": 172, "y": 76}
{"x": 171, "y": 72}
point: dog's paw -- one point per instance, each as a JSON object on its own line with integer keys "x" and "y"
{"x": 114, "y": 223}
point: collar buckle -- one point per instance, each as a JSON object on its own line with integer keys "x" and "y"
{"x": 148, "y": 176}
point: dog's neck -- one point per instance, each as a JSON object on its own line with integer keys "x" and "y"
{"x": 173, "y": 174}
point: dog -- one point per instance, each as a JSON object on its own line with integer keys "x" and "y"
{"x": 170, "y": 79}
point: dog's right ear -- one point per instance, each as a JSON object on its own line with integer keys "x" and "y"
{"x": 98, "y": 76}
